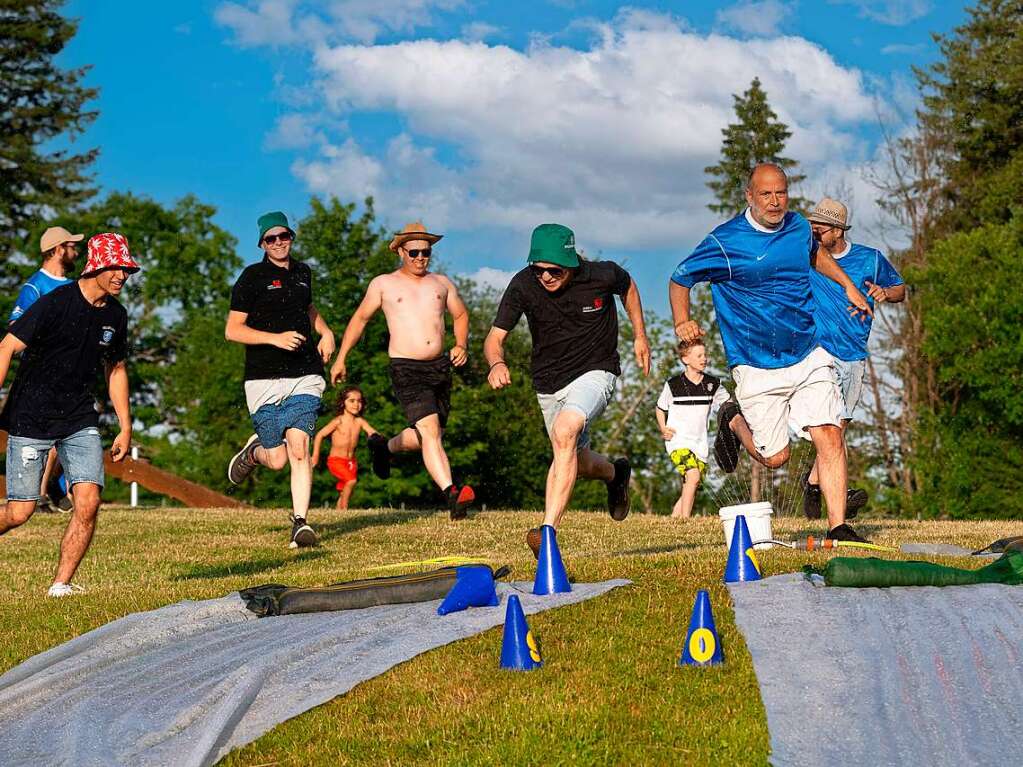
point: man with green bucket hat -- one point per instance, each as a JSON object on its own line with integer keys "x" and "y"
{"x": 273, "y": 316}
{"x": 570, "y": 307}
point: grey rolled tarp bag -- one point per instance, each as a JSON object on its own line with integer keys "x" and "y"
{"x": 277, "y": 599}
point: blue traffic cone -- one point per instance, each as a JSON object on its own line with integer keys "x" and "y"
{"x": 742, "y": 561}
{"x": 551, "y": 577}
{"x": 702, "y": 647}
{"x": 519, "y": 651}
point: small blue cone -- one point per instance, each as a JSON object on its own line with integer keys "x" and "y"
{"x": 519, "y": 651}
{"x": 742, "y": 560}
{"x": 702, "y": 647}
{"x": 551, "y": 577}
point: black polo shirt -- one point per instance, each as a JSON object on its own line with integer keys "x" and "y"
{"x": 277, "y": 300}
{"x": 68, "y": 341}
{"x": 574, "y": 330}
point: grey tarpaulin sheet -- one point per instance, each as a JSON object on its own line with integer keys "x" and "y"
{"x": 185, "y": 684}
{"x": 893, "y": 676}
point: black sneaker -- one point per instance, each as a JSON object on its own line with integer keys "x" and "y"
{"x": 381, "y": 455}
{"x": 459, "y": 500}
{"x": 65, "y": 504}
{"x": 726, "y": 444}
{"x": 243, "y": 464}
{"x": 618, "y": 490}
{"x": 855, "y": 499}
{"x": 811, "y": 499}
{"x": 43, "y": 507}
{"x": 302, "y": 534}
{"x": 845, "y": 533}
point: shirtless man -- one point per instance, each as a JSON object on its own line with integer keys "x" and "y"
{"x": 414, "y": 301}
{"x": 344, "y": 430}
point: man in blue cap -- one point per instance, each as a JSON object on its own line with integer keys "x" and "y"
{"x": 573, "y": 320}
{"x": 273, "y": 316}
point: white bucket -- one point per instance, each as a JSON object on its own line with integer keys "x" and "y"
{"x": 758, "y": 520}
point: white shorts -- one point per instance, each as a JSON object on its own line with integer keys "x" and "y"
{"x": 850, "y": 381}
{"x": 805, "y": 394}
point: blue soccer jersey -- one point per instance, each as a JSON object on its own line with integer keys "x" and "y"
{"x": 38, "y": 285}
{"x": 760, "y": 282}
{"x": 845, "y": 337}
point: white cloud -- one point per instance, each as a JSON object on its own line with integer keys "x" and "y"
{"x": 903, "y": 48}
{"x": 480, "y": 30}
{"x": 267, "y": 22}
{"x": 895, "y": 13}
{"x": 488, "y": 277}
{"x": 755, "y": 17}
{"x": 293, "y": 131}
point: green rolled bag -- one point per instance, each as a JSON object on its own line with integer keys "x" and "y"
{"x": 871, "y": 572}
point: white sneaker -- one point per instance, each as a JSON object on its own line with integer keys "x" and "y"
{"x": 64, "y": 590}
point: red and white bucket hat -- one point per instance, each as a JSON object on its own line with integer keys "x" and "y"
{"x": 109, "y": 251}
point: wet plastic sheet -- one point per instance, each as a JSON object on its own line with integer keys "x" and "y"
{"x": 187, "y": 683}
{"x": 891, "y": 676}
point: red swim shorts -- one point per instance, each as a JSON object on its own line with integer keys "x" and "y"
{"x": 345, "y": 469}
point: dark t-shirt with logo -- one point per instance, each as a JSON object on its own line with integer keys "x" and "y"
{"x": 574, "y": 330}
{"x": 68, "y": 341}
{"x": 277, "y": 300}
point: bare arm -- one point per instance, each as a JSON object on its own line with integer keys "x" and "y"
{"x": 460, "y": 318}
{"x": 493, "y": 349}
{"x": 10, "y": 346}
{"x": 371, "y": 302}
{"x": 893, "y": 295}
{"x": 370, "y": 431}
{"x": 686, "y": 329}
{"x": 117, "y": 386}
{"x": 318, "y": 440}
{"x": 826, "y": 264}
{"x": 236, "y": 330}
{"x": 634, "y": 308}
{"x": 662, "y": 422}
{"x": 326, "y": 345}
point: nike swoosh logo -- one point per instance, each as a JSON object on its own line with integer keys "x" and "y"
{"x": 761, "y": 258}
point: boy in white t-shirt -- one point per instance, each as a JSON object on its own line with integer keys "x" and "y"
{"x": 683, "y": 411}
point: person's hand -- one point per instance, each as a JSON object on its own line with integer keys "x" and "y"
{"x": 642, "y": 349}
{"x": 499, "y": 375}
{"x": 879, "y": 294}
{"x": 688, "y": 332}
{"x": 458, "y": 355}
{"x": 315, "y": 460}
{"x": 326, "y": 347}
{"x": 858, "y": 306}
{"x": 338, "y": 372}
{"x": 289, "y": 340}
{"x": 122, "y": 443}
{"x": 667, "y": 432}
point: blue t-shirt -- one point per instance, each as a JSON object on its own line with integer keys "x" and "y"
{"x": 760, "y": 283}
{"x": 845, "y": 337}
{"x": 38, "y": 285}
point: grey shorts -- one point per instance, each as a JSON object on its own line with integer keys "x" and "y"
{"x": 850, "y": 381}
{"x": 588, "y": 394}
{"x": 81, "y": 455}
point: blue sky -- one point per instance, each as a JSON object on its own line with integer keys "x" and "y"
{"x": 485, "y": 118}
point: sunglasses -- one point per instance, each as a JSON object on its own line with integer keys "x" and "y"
{"x": 270, "y": 239}
{"x": 556, "y": 272}
{"x": 417, "y": 253}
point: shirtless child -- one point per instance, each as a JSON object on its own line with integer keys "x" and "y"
{"x": 344, "y": 430}
{"x": 414, "y": 301}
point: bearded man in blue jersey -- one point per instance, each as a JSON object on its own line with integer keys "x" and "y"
{"x": 843, "y": 336}
{"x": 758, "y": 265}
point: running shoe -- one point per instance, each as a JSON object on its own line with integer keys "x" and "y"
{"x": 618, "y": 490}
{"x": 726, "y": 444}
{"x": 302, "y": 534}
{"x": 65, "y": 504}
{"x": 243, "y": 463}
{"x": 811, "y": 499}
{"x": 43, "y": 506}
{"x": 533, "y": 540}
{"x": 381, "y": 455}
{"x": 459, "y": 500}
{"x": 58, "y": 590}
{"x": 855, "y": 499}
{"x": 845, "y": 533}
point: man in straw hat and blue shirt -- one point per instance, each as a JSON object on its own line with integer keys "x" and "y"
{"x": 842, "y": 335}
{"x": 758, "y": 265}
{"x": 66, "y": 338}
{"x": 414, "y": 301}
{"x": 273, "y": 316}
{"x": 573, "y": 320}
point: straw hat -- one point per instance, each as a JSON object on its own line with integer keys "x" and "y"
{"x": 413, "y": 231}
{"x": 830, "y": 212}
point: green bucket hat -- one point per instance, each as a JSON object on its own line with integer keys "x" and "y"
{"x": 269, "y": 220}
{"x": 553, "y": 244}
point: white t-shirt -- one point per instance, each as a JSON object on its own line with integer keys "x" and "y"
{"x": 689, "y": 406}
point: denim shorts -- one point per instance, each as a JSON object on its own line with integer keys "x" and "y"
{"x": 81, "y": 455}
{"x": 588, "y": 394}
{"x": 270, "y": 422}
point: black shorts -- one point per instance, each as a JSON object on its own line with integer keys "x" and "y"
{"x": 423, "y": 387}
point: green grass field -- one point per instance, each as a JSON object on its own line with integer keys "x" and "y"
{"x": 610, "y": 691}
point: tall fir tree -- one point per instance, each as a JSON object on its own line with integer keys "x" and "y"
{"x": 42, "y": 110}
{"x": 758, "y": 136}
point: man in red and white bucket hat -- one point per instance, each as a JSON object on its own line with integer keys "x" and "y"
{"x": 66, "y": 338}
